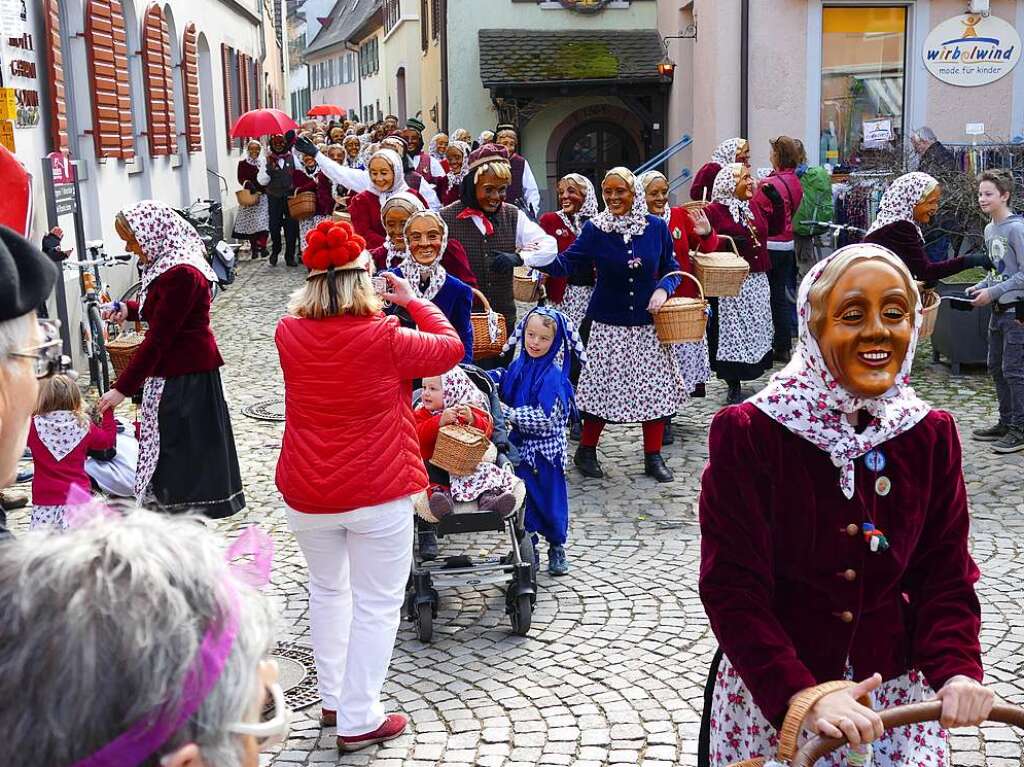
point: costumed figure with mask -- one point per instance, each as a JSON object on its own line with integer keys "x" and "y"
{"x": 537, "y": 401}
{"x": 497, "y": 236}
{"x": 834, "y": 537}
{"x": 253, "y": 223}
{"x": 741, "y": 332}
{"x": 278, "y": 180}
{"x": 728, "y": 152}
{"x": 523, "y": 191}
{"x": 457, "y": 158}
{"x": 309, "y": 178}
{"x": 630, "y": 376}
{"x": 430, "y": 189}
{"x": 423, "y": 162}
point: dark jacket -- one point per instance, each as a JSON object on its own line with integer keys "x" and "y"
{"x": 903, "y": 239}
{"x": 280, "y": 178}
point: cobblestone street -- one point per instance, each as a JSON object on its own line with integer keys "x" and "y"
{"x": 613, "y": 670}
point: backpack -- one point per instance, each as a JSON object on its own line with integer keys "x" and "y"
{"x": 817, "y": 203}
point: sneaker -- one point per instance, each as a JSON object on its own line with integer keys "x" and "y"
{"x": 393, "y": 726}
{"x": 991, "y": 434}
{"x": 1013, "y": 442}
{"x": 557, "y": 564}
{"x": 503, "y": 503}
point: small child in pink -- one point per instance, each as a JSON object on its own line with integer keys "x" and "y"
{"x": 61, "y": 436}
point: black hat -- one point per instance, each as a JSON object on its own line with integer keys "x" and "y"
{"x": 415, "y": 124}
{"x": 26, "y": 275}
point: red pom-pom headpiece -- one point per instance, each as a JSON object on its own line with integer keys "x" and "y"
{"x": 333, "y": 244}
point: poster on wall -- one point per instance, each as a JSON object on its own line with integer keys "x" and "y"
{"x": 972, "y": 50}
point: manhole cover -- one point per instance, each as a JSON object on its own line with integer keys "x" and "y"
{"x": 297, "y": 675}
{"x": 270, "y": 410}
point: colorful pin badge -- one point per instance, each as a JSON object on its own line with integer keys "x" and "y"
{"x": 875, "y": 460}
{"x": 883, "y": 485}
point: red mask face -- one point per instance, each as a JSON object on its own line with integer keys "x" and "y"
{"x": 866, "y": 328}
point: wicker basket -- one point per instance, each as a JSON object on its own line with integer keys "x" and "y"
{"x": 930, "y": 312}
{"x": 459, "y": 449}
{"x": 247, "y": 198}
{"x": 122, "y": 348}
{"x": 302, "y": 205}
{"x": 721, "y": 274}
{"x": 524, "y": 287}
{"x": 483, "y": 347}
{"x": 682, "y": 320}
{"x": 342, "y": 215}
{"x": 695, "y": 205}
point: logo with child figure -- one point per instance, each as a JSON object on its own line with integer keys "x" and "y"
{"x": 972, "y": 50}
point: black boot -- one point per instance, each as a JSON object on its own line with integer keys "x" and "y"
{"x": 668, "y": 437}
{"x": 654, "y": 466}
{"x": 273, "y": 257}
{"x": 586, "y": 461}
{"x": 575, "y": 431}
{"x": 735, "y": 396}
{"x": 428, "y": 544}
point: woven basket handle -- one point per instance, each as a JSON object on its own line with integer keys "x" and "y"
{"x": 138, "y": 327}
{"x": 483, "y": 300}
{"x": 819, "y": 746}
{"x": 732, "y": 242}
{"x": 690, "y": 276}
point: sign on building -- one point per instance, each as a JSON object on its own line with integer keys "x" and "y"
{"x": 972, "y": 50}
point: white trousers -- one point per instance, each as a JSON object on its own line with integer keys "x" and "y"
{"x": 359, "y": 565}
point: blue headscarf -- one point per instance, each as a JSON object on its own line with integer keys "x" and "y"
{"x": 539, "y": 381}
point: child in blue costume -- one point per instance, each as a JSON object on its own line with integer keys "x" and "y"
{"x": 538, "y": 401}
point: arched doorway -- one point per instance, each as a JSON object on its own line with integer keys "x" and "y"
{"x": 400, "y": 88}
{"x": 208, "y": 117}
{"x": 594, "y": 147}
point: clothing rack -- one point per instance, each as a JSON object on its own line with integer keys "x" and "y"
{"x": 857, "y": 198}
{"x": 975, "y": 158}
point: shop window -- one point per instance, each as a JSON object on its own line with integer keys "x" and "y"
{"x": 864, "y": 53}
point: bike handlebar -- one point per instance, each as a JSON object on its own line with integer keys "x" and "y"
{"x": 118, "y": 260}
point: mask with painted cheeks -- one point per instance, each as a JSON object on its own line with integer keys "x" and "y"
{"x": 413, "y": 139}
{"x": 656, "y": 194}
{"x": 394, "y": 225}
{"x": 864, "y": 326}
{"x": 926, "y": 209}
{"x": 570, "y": 197}
{"x": 382, "y": 175}
{"x": 618, "y": 195}
{"x": 507, "y": 139}
{"x": 455, "y": 159}
{"x": 424, "y": 236}
{"x": 490, "y": 191}
{"x": 745, "y": 184}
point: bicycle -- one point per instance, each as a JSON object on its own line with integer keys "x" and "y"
{"x": 836, "y": 232}
{"x": 94, "y": 330}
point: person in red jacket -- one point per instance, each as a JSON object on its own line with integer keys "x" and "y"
{"x": 691, "y": 231}
{"x": 350, "y": 465}
{"x": 834, "y": 535}
{"x": 60, "y": 437}
{"x": 187, "y": 458}
{"x": 729, "y": 151}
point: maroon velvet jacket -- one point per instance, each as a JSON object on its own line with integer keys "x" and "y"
{"x": 364, "y": 208}
{"x": 179, "y": 340}
{"x": 704, "y": 181}
{"x": 247, "y": 173}
{"x": 903, "y": 239}
{"x": 454, "y": 260}
{"x": 788, "y": 582}
{"x": 321, "y": 185}
{"x": 768, "y": 221}
{"x": 553, "y": 224}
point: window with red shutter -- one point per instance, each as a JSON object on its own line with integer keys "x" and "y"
{"x": 107, "y": 50}
{"x": 55, "y": 64}
{"x": 226, "y": 55}
{"x": 190, "y": 81}
{"x": 156, "y": 66}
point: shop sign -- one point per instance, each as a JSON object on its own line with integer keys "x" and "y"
{"x": 8, "y": 104}
{"x": 585, "y": 6}
{"x": 63, "y": 182}
{"x": 7, "y": 135}
{"x": 972, "y": 50}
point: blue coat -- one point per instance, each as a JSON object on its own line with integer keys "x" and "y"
{"x": 455, "y": 300}
{"x": 621, "y": 293}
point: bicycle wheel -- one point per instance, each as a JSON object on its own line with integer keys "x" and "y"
{"x": 132, "y": 292}
{"x": 99, "y": 348}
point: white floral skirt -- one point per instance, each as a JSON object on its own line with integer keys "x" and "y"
{"x": 487, "y": 477}
{"x": 694, "y": 363}
{"x": 149, "y": 437}
{"x": 51, "y": 517}
{"x": 630, "y": 376}
{"x": 745, "y": 330}
{"x": 306, "y": 226}
{"x": 253, "y": 220}
{"x": 575, "y": 302}
{"x": 739, "y": 731}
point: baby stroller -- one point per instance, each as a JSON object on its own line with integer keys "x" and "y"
{"x": 515, "y": 569}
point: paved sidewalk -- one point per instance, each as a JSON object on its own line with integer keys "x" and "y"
{"x": 613, "y": 670}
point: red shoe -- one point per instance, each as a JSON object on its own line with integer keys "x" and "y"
{"x": 393, "y": 726}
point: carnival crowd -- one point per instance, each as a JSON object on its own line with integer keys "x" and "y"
{"x": 835, "y": 569}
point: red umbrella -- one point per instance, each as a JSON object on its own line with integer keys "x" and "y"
{"x": 262, "y": 122}
{"x": 323, "y": 110}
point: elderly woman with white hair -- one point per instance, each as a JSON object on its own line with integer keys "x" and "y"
{"x": 160, "y": 643}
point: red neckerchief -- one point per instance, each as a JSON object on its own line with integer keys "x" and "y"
{"x": 480, "y": 216}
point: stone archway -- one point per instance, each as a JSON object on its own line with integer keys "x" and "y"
{"x": 593, "y": 139}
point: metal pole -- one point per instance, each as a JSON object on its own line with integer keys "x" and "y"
{"x": 744, "y": 68}
{"x": 59, "y": 293}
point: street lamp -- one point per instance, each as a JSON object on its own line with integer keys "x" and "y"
{"x": 667, "y": 68}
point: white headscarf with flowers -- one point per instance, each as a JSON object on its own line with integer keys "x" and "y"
{"x": 725, "y": 153}
{"x": 432, "y": 147}
{"x": 806, "y": 398}
{"x": 167, "y": 239}
{"x": 425, "y": 280}
{"x": 724, "y": 193}
{"x": 901, "y": 198}
{"x": 398, "y": 185}
{"x": 410, "y": 202}
{"x": 454, "y": 179}
{"x": 633, "y": 223}
{"x": 589, "y": 207}
{"x": 646, "y": 179}
{"x": 457, "y": 389}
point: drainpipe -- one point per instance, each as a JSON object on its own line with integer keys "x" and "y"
{"x": 744, "y": 68}
{"x": 443, "y": 122}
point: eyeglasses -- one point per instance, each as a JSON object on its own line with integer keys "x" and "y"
{"x": 47, "y": 359}
{"x": 273, "y": 731}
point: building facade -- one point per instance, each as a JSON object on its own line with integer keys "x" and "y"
{"x": 149, "y": 126}
{"x": 846, "y": 76}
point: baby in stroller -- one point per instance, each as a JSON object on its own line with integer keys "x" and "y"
{"x": 449, "y": 399}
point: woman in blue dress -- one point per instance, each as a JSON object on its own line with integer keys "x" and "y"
{"x": 426, "y": 237}
{"x": 630, "y": 377}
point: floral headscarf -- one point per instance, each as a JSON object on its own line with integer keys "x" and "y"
{"x": 398, "y": 185}
{"x": 901, "y": 198}
{"x": 259, "y": 159}
{"x": 646, "y": 179}
{"x": 725, "y": 153}
{"x": 633, "y": 223}
{"x": 358, "y": 161}
{"x": 410, "y": 202}
{"x": 724, "y": 192}
{"x": 589, "y": 208}
{"x": 61, "y": 431}
{"x": 415, "y": 272}
{"x": 463, "y": 135}
{"x": 806, "y": 399}
{"x": 167, "y": 239}
{"x": 432, "y": 147}
{"x": 459, "y": 389}
{"x": 454, "y": 179}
